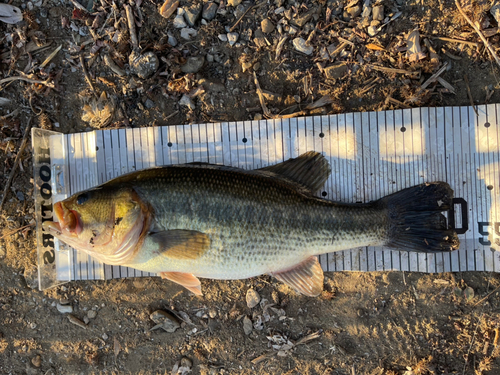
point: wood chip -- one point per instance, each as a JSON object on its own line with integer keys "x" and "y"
{"x": 168, "y": 8}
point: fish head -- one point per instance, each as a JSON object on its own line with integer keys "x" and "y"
{"x": 105, "y": 223}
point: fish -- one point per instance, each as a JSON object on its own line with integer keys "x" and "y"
{"x": 199, "y": 220}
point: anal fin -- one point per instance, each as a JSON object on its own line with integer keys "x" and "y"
{"x": 305, "y": 278}
{"x": 187, "y": 280}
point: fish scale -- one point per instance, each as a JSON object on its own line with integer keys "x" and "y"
{"x": 264, "y": 222}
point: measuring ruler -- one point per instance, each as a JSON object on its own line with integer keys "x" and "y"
{"x": 372, "y": 154}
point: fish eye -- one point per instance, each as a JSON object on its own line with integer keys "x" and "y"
{"x": 82, "y": 198}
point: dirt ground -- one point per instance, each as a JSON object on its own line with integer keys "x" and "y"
{"x": 363, "y": 323}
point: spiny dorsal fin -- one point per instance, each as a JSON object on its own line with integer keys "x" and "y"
{"x": 305, "y": 278}
{"x": 310, "y": 169}
{"x": 181, "y": 244}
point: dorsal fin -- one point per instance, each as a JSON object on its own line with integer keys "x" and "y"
{"x": 310, "y": 169}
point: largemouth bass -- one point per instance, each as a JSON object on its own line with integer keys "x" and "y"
{"x": 211, "y": 221}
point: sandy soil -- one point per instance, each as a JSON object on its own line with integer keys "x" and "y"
{"x": 364, "y": 323}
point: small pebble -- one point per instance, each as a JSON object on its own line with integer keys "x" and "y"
{"x": 209, "y": 11}
{"x": 193, "y": 64}
{"x": 20, "y": 196}
{"x": 32, "y": 325}
{"x": 232, "y": 38}
{"x": 253, "y": 298}
{"x": 192, "y": 13}
{"x": 187, "y": 33}
{"x": 247, "y": 325}
{"x": 372, "y": 30}
{"x": 179, "y": 22}
{"x": 105, "y": 336}
{"x": 86, "y": 319}
{"x": 92, "y": 314}
{"x": 301, "y": 46}
{"x": 36, "y": 361}
{"x": 223, "y": 37}
{"x": 186, "y": 362}
{"x": 64, "y": 309}
{"x": 186, "y": 101}
{"x": 171, "y": 40}
{"x": 267, "y": 26}
{"x": 212, "y": 313}
{"x": 378, "y": 12}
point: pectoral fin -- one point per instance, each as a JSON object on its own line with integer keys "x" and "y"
{"x": 181, "y": 244}
{"x": 187, "y": 280}
{"x": 305, "y": 278}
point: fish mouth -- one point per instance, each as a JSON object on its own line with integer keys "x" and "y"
{"x": 67, "y": 221}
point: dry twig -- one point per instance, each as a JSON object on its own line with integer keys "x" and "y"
{"x": 131, "y": 26}
{"x": 435, "y": 76}
{"x": 469, "y": 93}
{"x": 29, "y": 80}
{"x": 261, "y": 97}
{"x": 478, "y": 31}
{"x": 86, "y": 73}
{"x": 16, "y": 163}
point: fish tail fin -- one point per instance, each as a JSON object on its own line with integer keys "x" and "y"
{"x": 416, "y": 220}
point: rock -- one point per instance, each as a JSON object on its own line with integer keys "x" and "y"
{"x": 378, "y": 12}
{"x": 300, "y": 45}
{"x": 232, "y": 38}
{"x": 192, "y": 14}
{"x": 372, "y": 30}
{"x": 267, "y": 26}
{"x": 186, "y": 101}
{"x": 193, "y": 64}
{"x": 187, "y": 33}
{"x": 92, "y": 314}
{"x": 234, "y": 3}
{"x": 179, "y": 22}
{"x": 171, "y": 40}
{"x": 209, "y": 11}
{"x": 253, "y": 298}
{"x": 20, "y": 196}
{"x": 336, "y": 71}
{"x": 495, "y": 12}
{"x": 36, "y": 361}
{"x": 302, "y": 19}
{"x": 64, "y": 309}
{"x": 247, "y": 325}
{"x": 211, "y": 86}
{"x": 168, "y": 8}
{"x": 212, "y": 313}
{"x": 223, "y": 37}
{"x": 143, "y": 66}
{"x": 354, "y": 11}
{"x": 149, "y": 103}
{"x": 259, "y": 40}
{"x": 367, "y": 10}
{"x": 239, "y": 11}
